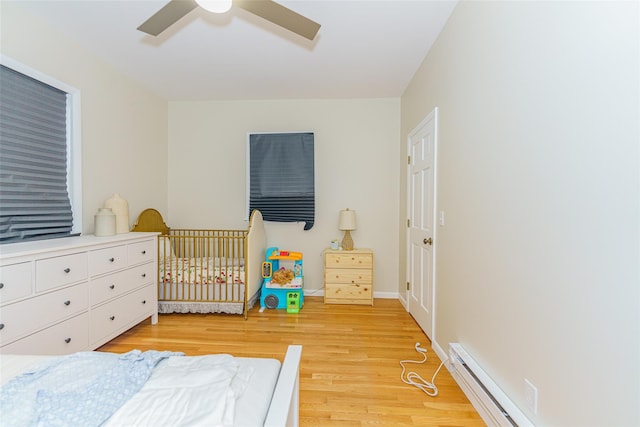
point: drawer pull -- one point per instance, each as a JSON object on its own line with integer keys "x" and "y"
{"x": 1, "y": 326}
{"x": 67, "y": 302}
{"x": 67, "y": 270}
{"x": 144, "y": 252}
{"x": 67, "y": 340}
{"x": 1, "y": 285}
{"x": 144, "y": 275}
{"x": 144, "y": 301}
{"x": 112, "y": 318}
{"x": 112, "y": 287}
{"x": 112, "y": 259}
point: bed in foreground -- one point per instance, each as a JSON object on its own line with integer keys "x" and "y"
{"x": 156, "y": 388}
{"x": 207, "y": 270}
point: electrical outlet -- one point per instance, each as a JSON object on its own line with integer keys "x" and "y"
{"x": 531, "y": 396}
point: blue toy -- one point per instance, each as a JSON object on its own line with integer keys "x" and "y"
{"x": 275, "y": 293}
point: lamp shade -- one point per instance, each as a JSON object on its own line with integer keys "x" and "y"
{"x": 347, "y": 220}
{"x": 215, "y": 6}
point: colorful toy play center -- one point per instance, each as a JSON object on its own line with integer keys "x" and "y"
{"x": 282, "y": 281}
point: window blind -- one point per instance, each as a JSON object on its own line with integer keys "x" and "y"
{"x": 281, "y": 177}
{"x": 34, "y": 199}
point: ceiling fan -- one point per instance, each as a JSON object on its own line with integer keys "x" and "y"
{"x": 266, "y": 9}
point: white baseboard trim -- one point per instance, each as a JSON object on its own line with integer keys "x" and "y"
{"x": 403, "y": 301}
{"x": 383, "y": 295}
{"x": 314, "y": 292}
{"x": 442, "y": 354}
{"x": 386, "y": 295}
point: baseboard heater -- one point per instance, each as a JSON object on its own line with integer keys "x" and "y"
{"x": 493, "y": 405}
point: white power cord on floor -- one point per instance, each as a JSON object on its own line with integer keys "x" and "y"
{"x": 416, "y": 380}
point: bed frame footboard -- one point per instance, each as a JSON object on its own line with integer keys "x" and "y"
{"x": 285, "y": 402}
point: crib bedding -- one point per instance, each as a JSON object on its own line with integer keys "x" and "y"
{"x": 201, "y": 271}
{"x": 203, "y": 307}
{"x": 212, "y": 390}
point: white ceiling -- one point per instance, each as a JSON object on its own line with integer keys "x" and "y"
{"x": 365, "y": 48}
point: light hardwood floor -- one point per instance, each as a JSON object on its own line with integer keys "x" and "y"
{"x": 350, "y": 369}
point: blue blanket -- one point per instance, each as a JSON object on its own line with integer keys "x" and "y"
{"x": 81, "y": 389}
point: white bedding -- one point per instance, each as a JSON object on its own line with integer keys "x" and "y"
{"x": 214, "y": 390}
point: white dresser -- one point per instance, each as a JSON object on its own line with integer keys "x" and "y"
{"x": 71, "y": 294}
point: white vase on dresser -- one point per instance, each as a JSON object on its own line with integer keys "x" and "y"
{"x": 77, "y": 293}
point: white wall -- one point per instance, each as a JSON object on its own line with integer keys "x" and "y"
{"x": 124, "y": 133}
{"x": 356, "y": 157}
{"x": 537, "y": 265}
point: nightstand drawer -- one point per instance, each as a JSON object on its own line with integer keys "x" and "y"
{"x": 345, "y": 275}
{"x": 348, "y": 293}
{"x": 348, "y": 260}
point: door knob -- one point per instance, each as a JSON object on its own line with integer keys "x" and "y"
{"x": 428, "y": 241}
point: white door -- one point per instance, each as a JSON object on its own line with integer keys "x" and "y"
{"x": 420, "y": 224}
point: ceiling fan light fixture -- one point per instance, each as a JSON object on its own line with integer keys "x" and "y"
{"x": 215, "y": 6}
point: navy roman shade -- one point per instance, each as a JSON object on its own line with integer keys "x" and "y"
{"x": 281, "y": 181}
{"x": 34, "y": 198}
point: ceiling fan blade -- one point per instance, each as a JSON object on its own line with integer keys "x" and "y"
{"x": 167, "y": 16}
{"x": 282, "y": 16}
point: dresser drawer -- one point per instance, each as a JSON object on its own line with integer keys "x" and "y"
{"x": 113, "y": 316}
{"x": 142, "y": 274}
{"x": 15, "y": 281}
{"x": 348, "y": 293}
{"x": 116, "y": 284}
{"x": 63, "y": 338}
{"x": 346, "y": 260}
{"x": 107, "y": 260}
{"x": 111, "y": 286}
{"x": 354, "y": 275}
{"x": 142, "y": 252}
{"x": 59, "y": 271}
{"x": 22, "y": 318}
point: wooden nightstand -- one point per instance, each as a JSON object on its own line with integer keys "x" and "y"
{"x": 348, "y": 277}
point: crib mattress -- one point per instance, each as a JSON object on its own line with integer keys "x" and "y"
{"x": 200, "y": 271}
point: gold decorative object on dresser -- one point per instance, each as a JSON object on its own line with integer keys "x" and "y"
{"x": 72, "y": 294}
{"x": 348, "y": 277}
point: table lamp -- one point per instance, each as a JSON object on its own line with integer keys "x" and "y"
{"x": 347, "y": 222}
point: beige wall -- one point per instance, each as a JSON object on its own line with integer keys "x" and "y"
{"x": 124, "y": 133}
{"x": 356, "y": 157}
{"x": 537, "y": 264}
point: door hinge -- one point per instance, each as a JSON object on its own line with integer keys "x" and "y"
{"x": 408, "y": 160}
{"x": 408, "y": 286}
{"x": 408, "y": 223}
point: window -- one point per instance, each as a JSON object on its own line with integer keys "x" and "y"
{"x": 40, "y": 194}
{"x": 281, "y": 177}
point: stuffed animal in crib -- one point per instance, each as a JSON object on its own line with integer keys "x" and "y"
{"x": 282, "y": 276}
